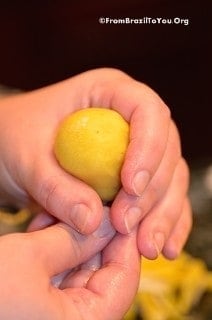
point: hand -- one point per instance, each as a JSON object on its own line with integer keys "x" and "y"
{"x": 52, "y": 274}
{"x": 154, "y": 175}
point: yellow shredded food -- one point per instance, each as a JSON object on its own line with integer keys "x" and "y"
{"x": 14, "y": 222}
{"x": 169, "y": 289}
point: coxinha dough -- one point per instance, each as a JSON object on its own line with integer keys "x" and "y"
{"x": 91, "y": 144}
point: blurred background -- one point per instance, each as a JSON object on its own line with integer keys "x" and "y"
{"x": 43, "y": 42}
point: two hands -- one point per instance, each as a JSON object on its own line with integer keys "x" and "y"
{"x": 154, "y": 177}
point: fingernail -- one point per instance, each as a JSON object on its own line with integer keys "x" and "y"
{"x": 79, "y": 216}
{"x": 105, "y": 229}
{"x": 159, "y": 241}
{"x": 132, "y": 218}
{"x": 171, "y": 251}
{"x": 140, "y": 182}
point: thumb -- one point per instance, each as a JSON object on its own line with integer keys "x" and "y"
{"x": 60, "y": 247}
{"x": 65, "y": 197}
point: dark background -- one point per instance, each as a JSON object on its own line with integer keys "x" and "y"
{"x": 42, "y": 42}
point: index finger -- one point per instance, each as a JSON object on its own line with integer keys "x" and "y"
{"x": 149, "y": 120}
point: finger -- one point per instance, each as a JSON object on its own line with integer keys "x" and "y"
{"x": 179, "y": 234}
{"x": 65, "y": 197}
{"x": 59, "y": 247}
{"x": 121, "y": 268}
{"x": 80, "y": 277}
{"x": 157, "y": 226}
{"x": 127, "y": 210}
{"x": 40, "y": 221}
{"x": 149, "y": 120}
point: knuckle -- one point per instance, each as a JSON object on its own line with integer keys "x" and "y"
{"x": 183, "y": 173}
{"x": 166, "y": 110}
{"x": 47, "y": 189}
{"x": 174, "y": 141}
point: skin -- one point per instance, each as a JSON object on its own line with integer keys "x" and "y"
{"x": 53, "y": 274}
{"x": 155, "y": 199}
